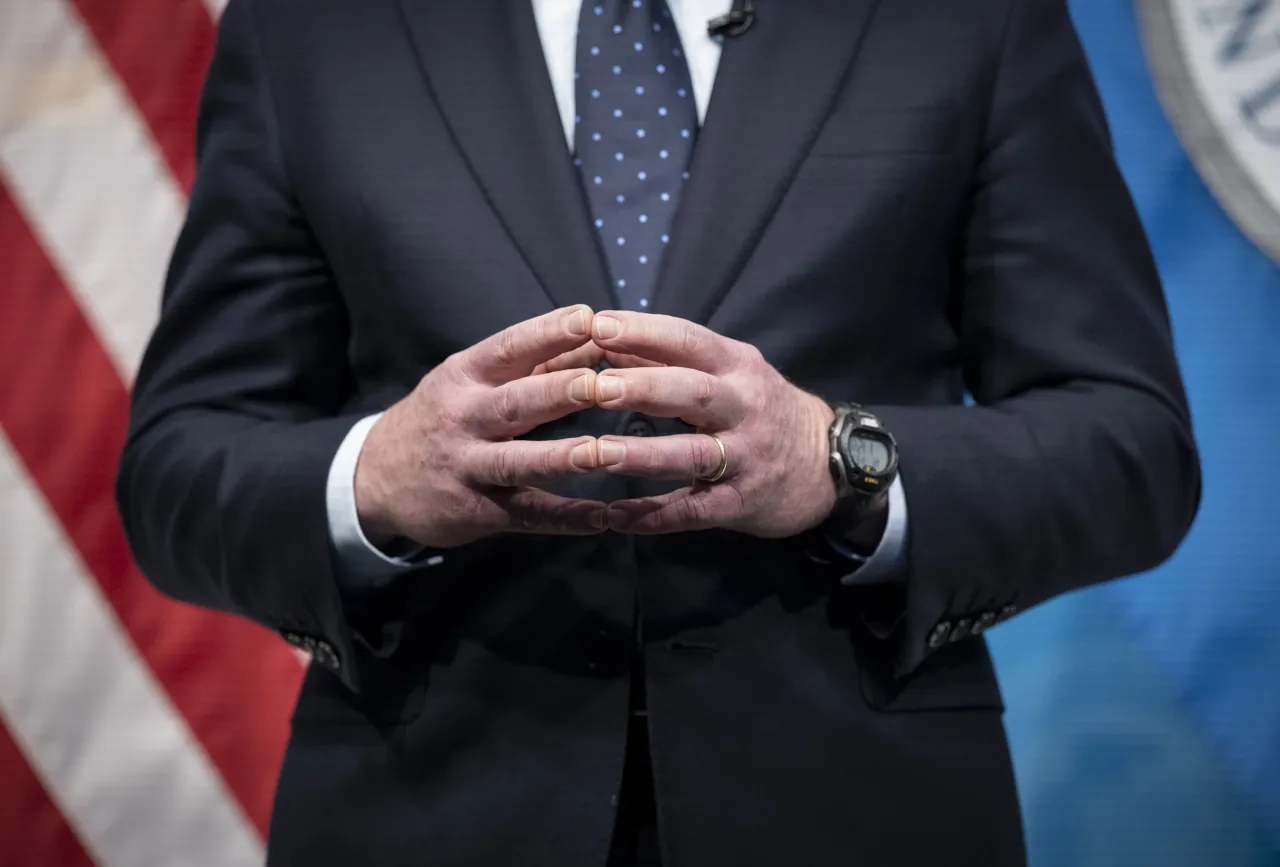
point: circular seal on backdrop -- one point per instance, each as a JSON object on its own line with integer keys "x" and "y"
{"x": 1216, "y": 65}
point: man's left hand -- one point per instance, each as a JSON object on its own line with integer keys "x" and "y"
{"x": 776, "y": 482}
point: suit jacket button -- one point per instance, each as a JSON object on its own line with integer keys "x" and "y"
{"x": 938, "y": 636}
{"x": 639, "y": 427}
{"x": 983, "y": 623}
{"x": 962, "y": 629}
{"x": 325, "y": 655}
{"x": 1006, "y": 612}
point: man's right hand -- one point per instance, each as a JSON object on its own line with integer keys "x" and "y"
{"x": 442, "y": 467}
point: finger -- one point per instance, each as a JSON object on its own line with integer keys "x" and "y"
{"x": 695, "y": 508}
{"x": 619, "y": 360}
{"x": 516, "y": 351}
{"x": 682, "y": 456}
{"x": 528, "y": 510}
{"x": 586, "y": 356}
{"x": 592, "y": 355}
{"x": 699, "y": 398}
{"x": 521, "y": 405}
{"x": 666, "y": 339}
{"x": 522, "y": 463}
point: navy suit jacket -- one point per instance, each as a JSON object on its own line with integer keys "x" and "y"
{"x": 900, "y": 202}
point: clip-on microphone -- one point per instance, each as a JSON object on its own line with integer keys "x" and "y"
{"x": 735, "y": 23}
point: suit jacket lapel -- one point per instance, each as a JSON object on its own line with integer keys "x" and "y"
{"x": 485, "y": 66}
{"x": 774, "y": 87}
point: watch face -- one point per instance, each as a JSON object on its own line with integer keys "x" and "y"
{"x": 870, "y": 454}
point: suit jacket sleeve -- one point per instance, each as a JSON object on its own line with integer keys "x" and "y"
{"x": 238, "y": 407}
{"x": 1077, "y": 463}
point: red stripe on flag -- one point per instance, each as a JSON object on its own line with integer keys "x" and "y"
{"x": 160, "y": 51}
{"x": 33, "y": 831}
{"x": 64, "y": 409}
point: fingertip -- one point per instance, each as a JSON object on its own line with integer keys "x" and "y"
{"x": 598, "y": 517}
{"x": 577, "y": 320}
{"x": 611, "y": 452}
{"x": 610, "y": 387}
{"x": 585, "y": 455}
{"x": 619, "y": 518}
{"x": 607, "y": 325}
{"x": 583, "y": 387}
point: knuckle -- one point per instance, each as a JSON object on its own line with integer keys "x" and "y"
{"x": 704, "y": 391}
{"x": 545, "y": 331}
{"x": 643, "y": 453}
{"x": 475, "y": 510}
{"x": 639, "y": 386}
{"x": 689, "y": 338}
{"x": 506, "y": 347}
{"x": 462, "y": 506}
{"x": 697, "y": 457}
{"x": 751, "y": 353}
{"x": 530, "y": 517}
{"x": 460, "y": 411}
{"x": 549, "y": 460}
{"x": 505, "y": 468}
{"x": 530, "y": 514}
{"x": 688, "y": 510}
{"x": 563, "y": 520}
{"x": 452, "y": 501}
{"x": 456, "y": 363}
{"x": 555, "y": 392}
{"x": 506, "y": 404}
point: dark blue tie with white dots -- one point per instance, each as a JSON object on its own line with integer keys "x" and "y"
{"x": 635, "y": 127}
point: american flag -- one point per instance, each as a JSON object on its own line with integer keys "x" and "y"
{"x": 134, "y": 731}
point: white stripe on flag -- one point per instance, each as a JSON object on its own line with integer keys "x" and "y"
{"x": 215, "y": 7}
{"x": 99, "y": 731}
{"x": 83, "y": 168}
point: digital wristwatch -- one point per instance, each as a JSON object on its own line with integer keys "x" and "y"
{"x": 864, "y": 456}
{"x": 863, "y": 464}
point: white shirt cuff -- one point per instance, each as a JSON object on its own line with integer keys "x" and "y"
{"x": 890, "y": 555}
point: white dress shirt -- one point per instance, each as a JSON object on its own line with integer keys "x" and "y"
{"x": 363, "y": 566}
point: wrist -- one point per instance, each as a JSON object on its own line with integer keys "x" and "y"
{"x": 862, "y": 465}
{"x": 372, "y": 498}
{"x": 859, "y": 526}
{"x": 824, "y": 494}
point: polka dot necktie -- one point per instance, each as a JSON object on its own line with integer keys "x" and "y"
{"x": 635, "y": 127}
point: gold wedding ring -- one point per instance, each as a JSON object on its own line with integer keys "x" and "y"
{"x": 724, "y": 463}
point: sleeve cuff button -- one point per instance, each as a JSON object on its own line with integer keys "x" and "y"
{"x": 939, "y": 635}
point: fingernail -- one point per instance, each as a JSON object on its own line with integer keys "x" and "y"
{"x": 583, "y": 456}
{"x": 580, "y": 388}
{"x": 608, "y": 387}
{"x": 607, "y": 327}
{"x": 599, "y": 519}
{"x": 576, "y": 322}
{"x": 611, "y": 453}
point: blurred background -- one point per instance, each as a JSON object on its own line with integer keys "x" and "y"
{"x": 1144, "y": 715}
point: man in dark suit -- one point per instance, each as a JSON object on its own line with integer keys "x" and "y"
{"x": 644, "y": 585}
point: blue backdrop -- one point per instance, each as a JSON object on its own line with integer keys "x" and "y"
{"x": 1144, "y": 715}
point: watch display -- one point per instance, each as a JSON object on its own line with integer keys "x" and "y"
{"x": 868, "y": 454}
